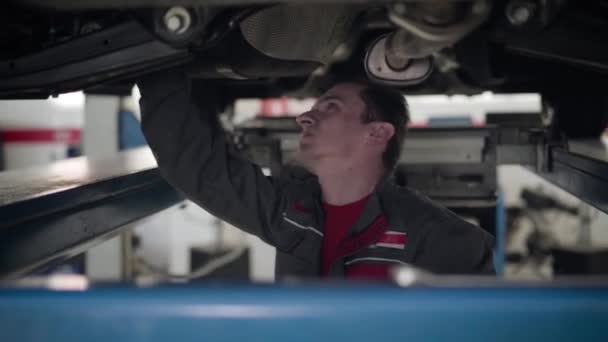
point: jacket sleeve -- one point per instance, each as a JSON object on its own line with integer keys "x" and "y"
{"x": 193, "y": 155}
{"x": 454, "y": 246}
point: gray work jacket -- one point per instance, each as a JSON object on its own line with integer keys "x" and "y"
{"x": 286, "y": 211}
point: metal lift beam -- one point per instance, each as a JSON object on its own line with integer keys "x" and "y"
{"x": 51, "y": 213}
{"x": 578, "y": 166}
{"x": 582, "y": 170}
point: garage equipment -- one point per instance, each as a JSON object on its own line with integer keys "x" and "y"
{"x": 51, "y": 213}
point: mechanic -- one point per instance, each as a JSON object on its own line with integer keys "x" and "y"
{"x": 338, "y": 214}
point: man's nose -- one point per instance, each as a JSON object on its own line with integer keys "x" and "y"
{"x": 305, "y": 120}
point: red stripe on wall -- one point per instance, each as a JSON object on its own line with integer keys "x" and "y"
{"x": 39, "y": 136}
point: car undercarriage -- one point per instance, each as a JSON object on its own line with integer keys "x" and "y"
{"x": 262, "y": 48}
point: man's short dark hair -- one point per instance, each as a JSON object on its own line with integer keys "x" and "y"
{"x": 387, "y": 105}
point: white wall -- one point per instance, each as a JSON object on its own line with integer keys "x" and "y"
{"x": 168, "y": 236}
{"x": 106, "y": 261}
{"x": 425, "y": 107}
{"x": 66, "y": 112}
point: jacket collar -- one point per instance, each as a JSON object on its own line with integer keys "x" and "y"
{"x": 313, "y": 204}
{"x": 370, "y": 213}
{"x": 373, "y": 209}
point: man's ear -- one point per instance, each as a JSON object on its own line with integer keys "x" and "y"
{"x": 381, "y": 132}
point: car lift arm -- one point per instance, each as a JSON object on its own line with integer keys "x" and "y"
{"x": 578, "y": 167}
{"x": 51, "y": 213}
{"x": 583, "y": 171}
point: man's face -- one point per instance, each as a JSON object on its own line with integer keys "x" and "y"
{"x": 333, "y": 127}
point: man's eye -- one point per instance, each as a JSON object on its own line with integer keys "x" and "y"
{"x": 332, "y": 106}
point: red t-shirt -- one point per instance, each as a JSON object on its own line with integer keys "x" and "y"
{"x": 338, "y": 221}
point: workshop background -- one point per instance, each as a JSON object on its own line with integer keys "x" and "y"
{"x": 541, "y": 230}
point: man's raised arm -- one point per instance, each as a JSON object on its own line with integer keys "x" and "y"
{"x": 192, "y": 155}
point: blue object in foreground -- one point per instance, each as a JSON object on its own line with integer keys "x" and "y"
{"x": 294, "y": 313}
{"x": 501, "y": 236}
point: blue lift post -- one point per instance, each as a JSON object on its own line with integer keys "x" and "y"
{"x": 501, "y": 236}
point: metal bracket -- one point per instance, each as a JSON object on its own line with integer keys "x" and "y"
{"x": 582, "y": 170}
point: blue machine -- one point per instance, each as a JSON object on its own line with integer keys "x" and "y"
{"x": 312, "y": 313}
{"x": 130, "y": 134}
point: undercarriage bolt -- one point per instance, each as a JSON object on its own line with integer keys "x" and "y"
{"x": 177, "y": 20}
{"x": 400, "y": 8}
{"x": 520, "y": 12}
